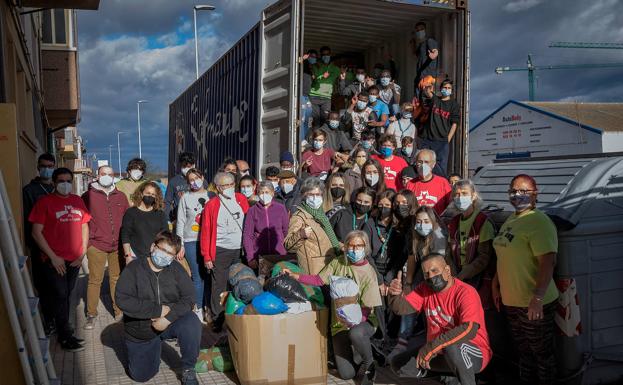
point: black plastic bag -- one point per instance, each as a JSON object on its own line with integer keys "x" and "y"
{"x": 286, "y": 288}
{"x": 239, "y": 271}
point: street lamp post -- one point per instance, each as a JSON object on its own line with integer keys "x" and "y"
{"x": 138, "y": 108}
{"x": 110, "y": 155}
{"x": 119, "y": 151}
{"x": 195, "y": 9}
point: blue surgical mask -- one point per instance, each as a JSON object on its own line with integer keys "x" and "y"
{"x": 314, "y": 201}
{"x": 420, "y": 35}
{"x": 266, "y": 199}
{"x": 355, "y": 255}
{"x": 445, "y": 92}
{"x": 424, "y": 228}
{"x": 312, "y": 60}
{"x": 46, "y": 172}
{"x": 463, "y": 203}
{"x": 287, "y": 187}
{"x": 361, "y": 104}
{"x": 372, "y": 98}
{"x": 196, "y": 184}
{"x": 334, "y": 124}
{"x": 247, "y": 191}
{"x": 326, "y": 59}
{"x": 386, "y": 152}
{"x": 366, "y": 145}
{"x": 318, "y": 144}
{"x": 407, "y": 151}
{"x": 160, "y": 258}
{"x": 385, "y": 81}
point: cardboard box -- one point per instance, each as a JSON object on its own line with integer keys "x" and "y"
{"x": 283, "y": 349}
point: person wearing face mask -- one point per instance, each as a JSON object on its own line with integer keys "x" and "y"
{"x": 456, "y": 341}
{"x": 372, "y": 176}
{"x": 389, "y": 92}
{"x": 426, "y": 50}
{"x": 355, "y": 216}
{"x": 358, "y": 115}
{"x": 247, "y": 187}
{"x": 221, "y": 238}
{"x": 272, "y": 175}
{"x": 178, "y": 185}
{"x": 403, "y": 127}
{"x": 317, "y": 160}
{"x": 60, "y": 227}
{"x": 408, "y": 152}
{"x": 353, "y": 263}
{"x": 336, "y": 138}
{"x": 408, "y": 174}
{"x": 470, "y": 238}
{"x": 142, "y": 221}
{"x": 265, "y": 227}
{"x": 336, "y": 195}
{"x": 107, "y": 206}
{"x": 324, "y": 77}
{"x": 380, "y": 109}
{"x": 310, "y": 234}
{"x": 157, "y": 298}
{"x": 39, "y": 187}
{"x": 135, "y": 177}
{"x": 437, "y": 132}
{"x": 286, "y": 162}
{"x": 243, "y": 168}
{"x": 430, "y": 189}
{"x": 352, "y": 168}
{"x": 526, "y": 248}
{"x": 392, "y": 165}
{"x": 356, "y": 87}
{"x": 368, "y": 142}
{"x": 188, "y": 226}
{"x": 289, "y": 191}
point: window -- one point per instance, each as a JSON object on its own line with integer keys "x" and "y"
{"x": 55, "y": 25}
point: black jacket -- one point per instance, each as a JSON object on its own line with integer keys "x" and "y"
{"x": 141, "y": 292}
{"x": 292, "y": 199}
{"x": 31, "y": 193}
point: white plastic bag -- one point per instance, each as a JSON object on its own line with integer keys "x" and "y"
{"x": 341, "y": 287}
{"x": 298, "y": 307}
{"x": 345, "y": 293}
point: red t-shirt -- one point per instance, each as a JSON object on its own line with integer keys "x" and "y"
{"x": 435, "y": 193}
{"x": 446, "y": 310}
{"x": 62, "y": 220}
{"x": 320, "y": 163}
{"x": 392, "y": 170}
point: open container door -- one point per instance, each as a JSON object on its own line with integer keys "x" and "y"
{"x": 280, "y": 33}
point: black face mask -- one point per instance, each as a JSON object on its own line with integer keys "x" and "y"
{"x": 385, "y": 211}
{"x": 437, "y": 283}
{"x": 361, "y": 209}
{"x": 337, "y": 192}
{"x": 402, "y": 211}
{"x": 149, "y": 200}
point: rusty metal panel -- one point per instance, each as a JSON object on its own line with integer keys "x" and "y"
{"x": 217, "y": 116}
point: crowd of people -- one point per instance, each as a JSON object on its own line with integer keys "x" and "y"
{"x": 368, "y": 198}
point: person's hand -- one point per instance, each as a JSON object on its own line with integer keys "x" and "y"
{"x": 432, "y": 54}
{"x": 209, "y": 265}
{"x": 253, "y": 264}
{"x": 305, "y": 232}
{"x": 306, "y": 56}
{"x": 395, "y": 287}
{"x": 165, "y": 311}
{"x": 160, "y": 324}
{"x": 325, "y": 74}
{"x": 496, "y": 295}
{"x": 289, "y": 272}
{"x": 383, "y": 289}
{"x": 420, "y": 360}
{"x": 307, "y": 163}
{"x": 392, "y": 118}
{"x": 535, "y": 309}
{"x": 59, "y": 264}
{"x": 181, "y": 254}
{"x": 77, "y": 262}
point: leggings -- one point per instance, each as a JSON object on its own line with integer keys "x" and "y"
{"x": 357, "y": 339}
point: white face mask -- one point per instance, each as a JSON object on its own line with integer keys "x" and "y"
{"x": 424, "y": 170}
{"x": 287, "y": 187}
{"x": 185, "y": 170}
{"x": 105, "y": 180}
{"x": 360, "y": 78}
{"x": 266, "y": 199}
{"x": 136, "y": 174}
{"x": 247, "y": 191}
{"x": 197, "y": 184}
{"x": 64, "y": 188}
{"x": 314, "y": 201}
{"x": 229, "y": 192}
{"x": 372, "y": 179}
{"x": 463, "y": 202}
{"x": 275, "y": 184}
{"x": 423, "y": 228}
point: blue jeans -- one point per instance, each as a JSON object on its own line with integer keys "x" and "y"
{"x": 144, "y": 356}
{"x": 441, "y": 148}
{"x": 407, "y": 323}
{"x": 197, "y": 270}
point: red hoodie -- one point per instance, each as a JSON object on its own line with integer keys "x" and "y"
{"x": 208, "y": 225}
{"x": 107, "y": 214}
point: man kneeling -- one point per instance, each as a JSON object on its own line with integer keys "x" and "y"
{"x": 157, "y": 299}
{"x": 456, "y": 338}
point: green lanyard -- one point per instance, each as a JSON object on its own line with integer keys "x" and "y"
{"x": 365, "y": 219}
{"x": 384, "y": 240}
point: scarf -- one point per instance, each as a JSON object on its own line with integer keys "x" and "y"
{"x": 320, "y": 217}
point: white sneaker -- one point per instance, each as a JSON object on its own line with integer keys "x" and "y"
{"x": 199, "y": 314}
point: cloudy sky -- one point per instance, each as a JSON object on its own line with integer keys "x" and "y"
{"x": 144, "y": 49}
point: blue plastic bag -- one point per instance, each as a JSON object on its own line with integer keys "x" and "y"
{"x": 269, "y": 304}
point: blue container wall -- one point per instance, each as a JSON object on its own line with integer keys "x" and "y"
{"x": 217, "y": 116}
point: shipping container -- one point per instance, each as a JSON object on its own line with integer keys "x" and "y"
{"x": 247, "y": 104}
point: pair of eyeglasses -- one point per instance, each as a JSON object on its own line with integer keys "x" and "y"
{"x": 356, "y": 247}
{"x": 227, "y": 185}
{"x": 519, "y": 192}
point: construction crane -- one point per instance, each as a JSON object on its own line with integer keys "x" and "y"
{"x": 569, "y": 44}
{"x": 531, "y": 68}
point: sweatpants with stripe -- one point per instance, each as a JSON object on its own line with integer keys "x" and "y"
{"x": 461, "y": 360}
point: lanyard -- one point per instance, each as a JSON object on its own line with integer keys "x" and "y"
{"x": 384, "y": 240}
{"x": 365, "y": 219}
{"x": 402, "y": 132}
{"x": 44, "y": 190}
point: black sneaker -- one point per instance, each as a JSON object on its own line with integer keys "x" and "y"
{"x": 71, "y": 345}
{"x": 369, "y": 375}
{"x": 90, "y": 323}
{"x": 49, "y": 329}
{"x": 78, "y": 340}
{"x": 189, "y": 377}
